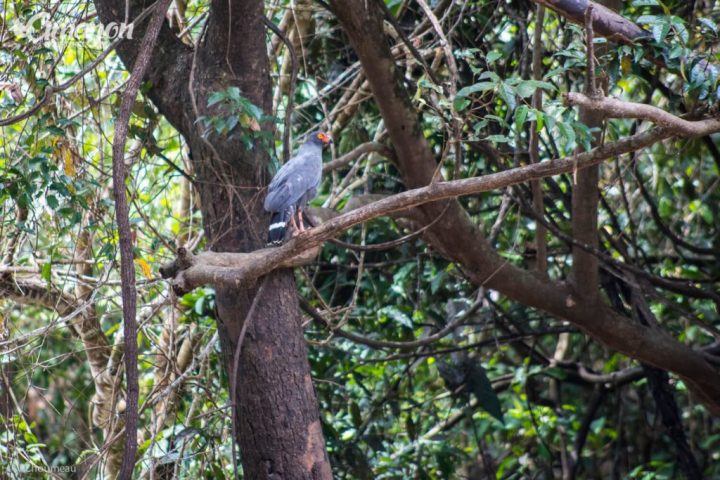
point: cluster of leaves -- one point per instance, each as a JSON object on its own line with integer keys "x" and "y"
{"x": 236, "y": 110}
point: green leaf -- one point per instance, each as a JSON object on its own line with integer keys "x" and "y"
{"x": 493, "y": 56}
{"x": 526, "y": 88}
{"x": 660, "y": 31}
{"x": 393, "y": 313}
{"x": 461, "y": 104}
{"x": 507, "y": 93}
{"x": 497, "y": 139}
{"x": 438, "y": 281}
{"x": 649, "y": 20}
{"x": 46, "y": 271}
{"x": 679, "y": 25}
{"x": 568, "y": 133}
{"x": 709, "y": 24}
{"x": 216, "y": 97}
{"x": 478, "y": 87}
{"x": 706, "y": 214}
{"x": 665, "y": 207}
{"x": 52, "y": 201}
{"x": 199, "y": 306}
{"x": 24, "y": 200}
{"x": 55, "y": 130}
{"x": 233, "y": 93}
{"x": 494, "y": 77}
{"x": 231, "y": 122}
{"x": 584, "y": 135}
{"x": 520, "y": 116}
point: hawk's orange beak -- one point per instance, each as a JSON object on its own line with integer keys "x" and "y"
{"x": 325, "y": 138}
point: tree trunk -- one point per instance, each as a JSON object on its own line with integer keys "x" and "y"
{"x": 279, "y": 429}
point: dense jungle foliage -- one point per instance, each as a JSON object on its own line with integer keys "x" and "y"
{"x": 509, "y": 390}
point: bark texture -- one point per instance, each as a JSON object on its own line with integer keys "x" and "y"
{"x": 585, "y": 197}
{"x": 606, "y": 22}
{"x": 279, "y": 425}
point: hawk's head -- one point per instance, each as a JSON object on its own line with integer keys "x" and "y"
{"x": 320, "y": 138}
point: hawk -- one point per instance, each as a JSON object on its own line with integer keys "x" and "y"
{"x": 293, "y": 186}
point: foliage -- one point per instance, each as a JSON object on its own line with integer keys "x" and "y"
{"x": 239, "y": 111}
{"x": 502, "y": 395}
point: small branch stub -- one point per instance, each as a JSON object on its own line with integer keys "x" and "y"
{"x": 189, "y": 271}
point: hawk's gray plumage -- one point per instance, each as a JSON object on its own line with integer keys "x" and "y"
{"x": 294, "y": 185}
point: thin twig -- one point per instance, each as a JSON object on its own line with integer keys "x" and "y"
{"x": 447, "y": 48}
{"x": 377, "y": 247}
{"x": 590, "y": 85}
{"x": 127, "y": 269}
{"x": 415, "y": 53}
{"x": 537, "y": 194}
{"x": 445, "y": 331}
{"x": 291, "y": 88}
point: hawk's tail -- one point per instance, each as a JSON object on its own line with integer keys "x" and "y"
{"x": 278, "y": 224}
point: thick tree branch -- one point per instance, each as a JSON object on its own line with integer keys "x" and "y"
{"x": 615, "y": 27}
{"x": 236, "y": 269}
{"x": 190, "y": 271}
{"x": 606, "y": 22}
{"x": 614, "y": 108}
{"x": 34, "y": 291}
{"x": 585, "y": 195}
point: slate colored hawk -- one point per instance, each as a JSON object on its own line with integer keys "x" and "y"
{"x": 293, "y": 186}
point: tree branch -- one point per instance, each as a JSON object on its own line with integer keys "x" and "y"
{"x": 534, "y": 142}
{"x": 355, "y": 153}
{"x": 127, "y": 268}
{"x": 34, "y": 291}
{"x": 614, "y": 108}
{"x": 236, "y": 269}
{"x": 615, "y": 27}
{"x": 584, "y": 274}
{"x": 456, "y": 237}
{"x": 291, "y": 87}
{"x": 607, "y": 23}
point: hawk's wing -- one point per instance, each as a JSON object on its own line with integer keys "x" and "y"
{"x": 292, "y": 181}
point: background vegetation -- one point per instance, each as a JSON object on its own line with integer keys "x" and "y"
{"x": 510, "y": 392}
